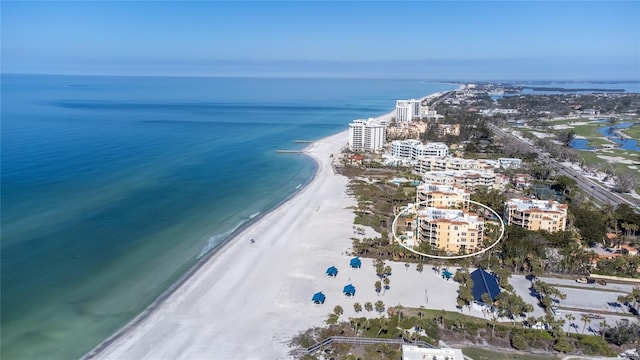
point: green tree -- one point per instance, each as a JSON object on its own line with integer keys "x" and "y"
{"x": 586, "y": 319}
{"x": 338, "y": 310}
{"x": 368, "y": 306}
{"x": 379, "y": 305}
{"x": 511, "y": 305}
{"x": 378, "y": 286}
{"x": 419, "y": 267}
{"x": 357, "y": 307}
{"x": 386, "y": 282}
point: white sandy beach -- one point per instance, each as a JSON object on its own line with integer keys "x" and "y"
{"x": 249, "y": 300}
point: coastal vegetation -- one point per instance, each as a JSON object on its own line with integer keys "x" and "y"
{"x": 430, "y": 326}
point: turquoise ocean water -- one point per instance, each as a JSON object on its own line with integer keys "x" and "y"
{"x": 112, "y": 187}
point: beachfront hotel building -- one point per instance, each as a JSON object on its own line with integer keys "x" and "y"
{"x": 442, "y": 196}
{"x": 467, "y": 179}
{"x": 367, "y": 135}
{"x": 534, "y": 214}
{"x": 449, "y": 229}
{"x": 413, "y": 149}
{"x": 407, "y": 110}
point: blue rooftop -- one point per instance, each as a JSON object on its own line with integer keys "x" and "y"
{"x": 355, "y": 262}
{"x": 349, "y": 290}
{"x": 332, "y": 271}
{"x": 318, "y": 298}
{"x": 483, "y": 282}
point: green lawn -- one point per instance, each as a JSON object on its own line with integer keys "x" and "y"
{"x": 633, "y": 131}
{"x": 588, "y": 130}
{"x": 482, "y": 354}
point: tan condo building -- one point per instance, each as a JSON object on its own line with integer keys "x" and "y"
{"x": 451, "y": 230}
{"x": 443, "y": 196}
{"x": 536, "y": 214}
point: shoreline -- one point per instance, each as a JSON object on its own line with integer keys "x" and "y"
{"x": 200, "y": 262}
{"x": 105, "y": 348}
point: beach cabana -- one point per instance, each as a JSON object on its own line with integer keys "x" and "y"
{"x": 446, "y": 274}
{"x": 318, "y": 298}
{"x": 349, "y": 290}
{"x": 332, "y": 271}
{"x": 355, "y": 263}
{"x": 483, "y": 282}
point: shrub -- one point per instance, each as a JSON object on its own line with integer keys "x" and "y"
{"x": 518, "y": 342}
{"x": 563, "y": 345}
{"x": 594, "y": 345}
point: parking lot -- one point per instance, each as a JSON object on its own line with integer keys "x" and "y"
{"x": 598, "y": 301}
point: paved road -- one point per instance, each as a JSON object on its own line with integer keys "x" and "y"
{"x": 593, "y": 188}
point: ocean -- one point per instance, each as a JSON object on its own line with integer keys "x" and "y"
{"x": 113, "y": 187}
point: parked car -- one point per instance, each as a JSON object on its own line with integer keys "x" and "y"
{"x": 555, "y": 310}
{"x": 602, "y": 282}
{"x": 582, "y": 280}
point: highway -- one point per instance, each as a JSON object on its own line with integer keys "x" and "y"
{"x": 590, "y": 187}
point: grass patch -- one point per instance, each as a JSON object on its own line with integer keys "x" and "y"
{"x": 588, "y": 130}
{"x": 633, "y": 132}
{"x": 482, "y": 354}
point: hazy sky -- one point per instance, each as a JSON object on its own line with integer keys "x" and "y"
{"x": 452, "y": 40}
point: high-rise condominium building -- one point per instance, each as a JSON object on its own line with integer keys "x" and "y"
{"x": 367, "y": 135}
{"x": 407, "y": 110}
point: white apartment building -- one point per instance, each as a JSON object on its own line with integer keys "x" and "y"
{"x": 367, "y": 135}
{"x": 430, "y": 149}
{"x": 510, "y": 163}
{"x": 413, "y": 149}
{"x": 467, "y": 179}
{"x": 439, "y": 163}
{"x": 407, "y": 110}
{"x": 403, "y": 149}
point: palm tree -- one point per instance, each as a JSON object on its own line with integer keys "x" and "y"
{"x": 378, "y": 286}
{"x": 570, "y": 318}
{"x": 368, "y": 306}
{"x": 357, "y": 307}
{"x": 379, "y": 306}
{"x": 603, "y": 328}
{"x": 386, "y": 282}
{"x": 586, "y": 319}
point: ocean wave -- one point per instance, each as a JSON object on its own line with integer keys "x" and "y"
{"x": 217, "y": 239}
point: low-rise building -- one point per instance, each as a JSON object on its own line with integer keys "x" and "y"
{"x": 522, "y": 181}
{"x": 510, "y": 163}
{"x": 534, "y": 215}
{"x": 413, "y": 149}
{"x": 467, "y": 179}
{"x": 440, "y": 163}
{"x": 449, "y": 129}
{"x": 412, "y": 352}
